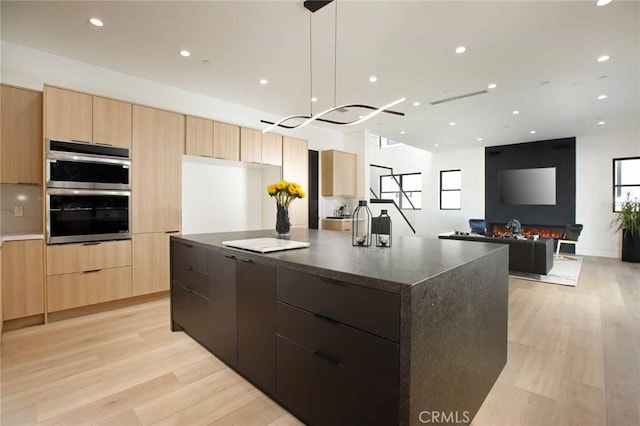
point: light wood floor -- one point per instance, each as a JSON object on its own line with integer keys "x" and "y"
{"x": 574, "y": 359}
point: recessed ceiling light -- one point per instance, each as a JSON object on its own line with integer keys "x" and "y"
{"x": 515, "y": 112}
{"x": 96, "y": 22}
{"x": 461, "y": 49}
{"x": 603, "y": 2}
{"x": 533, "y": 132}
{"x": 185, "y": 53}
{"x": 373, "y": 79}
{"x": 402, "y": 132}
{"x": 492, "y": 86}
{"x": 314, "y": 99}
{"x": 604, "y": 58}
{"x": 453, "y": 123}
{"x": 416, "y": 104}
{"x": 601, "y": 97}
{"x": 437, "y": 144}
{"x": 479, "y": 139}
{"x": 600, "y": 123}
{"x": 263, "y": 81}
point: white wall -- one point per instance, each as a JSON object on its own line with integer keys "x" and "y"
{"x": 594, "y": 183}
{"x": 30, "y": 68}
{"x": 434, "y": 221}
{"x": 220, "y": 198}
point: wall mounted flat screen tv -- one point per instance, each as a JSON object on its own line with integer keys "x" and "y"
{"x": 528, "y": 187}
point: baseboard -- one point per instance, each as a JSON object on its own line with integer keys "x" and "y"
{"x": 102, "y": 307}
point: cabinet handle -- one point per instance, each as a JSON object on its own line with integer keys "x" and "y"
{"x": 244, "y": 260}
{"x": 229, "y": 256}
{"x": 91, "y": 244}
{"x": 188, "y": 267}
{"x": 171, "y": 232}
{"x": 91, "y": 271}
{"x": 219, "y": 158}
{"x": 78, "y": 140}
{"x": 103, "y": 144}
{"x": 325, "y": 318}
{"x": 326, "y": 357}
{"x": 187, "y": 289}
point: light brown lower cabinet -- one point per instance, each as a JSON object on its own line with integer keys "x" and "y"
{"x": 68, "y": 258}
{"x": 22, "y": 278}
{"x": 336, "y": 225}
{"x": 68, "y": 291}
{"x": 150, "y": 263}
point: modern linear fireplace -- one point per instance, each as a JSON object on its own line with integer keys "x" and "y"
{"x": 542, "y": 231}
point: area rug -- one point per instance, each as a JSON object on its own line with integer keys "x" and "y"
{"x": 564, "y": 272}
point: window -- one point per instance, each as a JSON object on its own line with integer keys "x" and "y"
{"x": 450, "y": 189}
{"x": 404, "y": 189}
{"x": 626, "y": 180}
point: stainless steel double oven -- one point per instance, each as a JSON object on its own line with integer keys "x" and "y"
{"x": 88, "y": 192}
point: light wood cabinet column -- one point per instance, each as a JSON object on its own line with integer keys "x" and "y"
{"x": 272, "y": 149}
{"x": 21, "y": 135}
{"x": 158, "y": 141}
{"x": 295, "y": 168}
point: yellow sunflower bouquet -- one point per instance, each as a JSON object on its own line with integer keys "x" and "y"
{"x": 285, "y": 192}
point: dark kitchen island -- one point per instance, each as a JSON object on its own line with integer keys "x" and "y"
{"x": 410, "y": 334}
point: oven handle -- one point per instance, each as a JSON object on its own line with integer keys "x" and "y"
{"x": 52, "y": 156}
{"x": 65, "y": 191}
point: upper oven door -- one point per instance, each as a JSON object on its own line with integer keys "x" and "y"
{"x": 77, "y": 171}
{"x": 75, "y": 215}
{"x": 87, "y": 166}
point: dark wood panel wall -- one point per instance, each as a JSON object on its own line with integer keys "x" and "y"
{"x": 558, "y": 153}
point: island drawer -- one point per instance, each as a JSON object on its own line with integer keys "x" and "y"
{"x": 368, "y": 309}
{"x": 190, "y": 310}
{"x": 370, "y": 355}
{"x": 70, "y": 258}
{"x": 186, "y": 256}
{"x": 195, "y": 281}
{"x": 323, "y": 393}
{"x": 68, "y": 291}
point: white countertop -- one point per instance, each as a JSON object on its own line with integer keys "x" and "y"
{"x": 19, "y": 236}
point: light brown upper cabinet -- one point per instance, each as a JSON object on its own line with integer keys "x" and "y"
{"x": 22, "y": 278}
{"x": 339, "y": 174}
{"x": 68, "y": 114}
{"x": 111, "y": 122}
{"x": 199, "y": 138}
{"x": 226, "y": 141}
{"x": 21, "y": 135}
{"x": 250, "y": 145}
{"x": 271, "y": 149}
{"x": 156, "y": 161}
{"x": 295, "y": 168}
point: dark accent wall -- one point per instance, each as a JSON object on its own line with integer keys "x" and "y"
{"x": 558, "y": 153}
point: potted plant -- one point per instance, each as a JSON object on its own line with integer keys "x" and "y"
{"x": 628, "y": 221}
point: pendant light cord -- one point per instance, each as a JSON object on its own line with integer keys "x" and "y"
{"x": 335, "y": 56}
{"x": 310, "y": 64}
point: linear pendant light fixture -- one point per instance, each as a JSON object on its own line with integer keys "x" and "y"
{"x": 313, "y": 6}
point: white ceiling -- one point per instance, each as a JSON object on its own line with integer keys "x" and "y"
{"x": 408, "y": 45}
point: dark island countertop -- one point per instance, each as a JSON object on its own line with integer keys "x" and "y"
{"x": 410, "y": 260}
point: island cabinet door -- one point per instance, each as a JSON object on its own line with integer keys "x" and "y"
{"x": 222, "y": 307}
{"x": 257, "y": 324}
{"x": 190, "y": 292}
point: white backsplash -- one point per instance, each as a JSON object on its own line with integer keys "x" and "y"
{"x": 24, "y": 199}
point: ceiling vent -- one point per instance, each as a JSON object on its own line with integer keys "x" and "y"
{"x": 455, "y": 98}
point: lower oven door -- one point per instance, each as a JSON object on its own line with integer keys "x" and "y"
{"x": 77, "y": 215}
